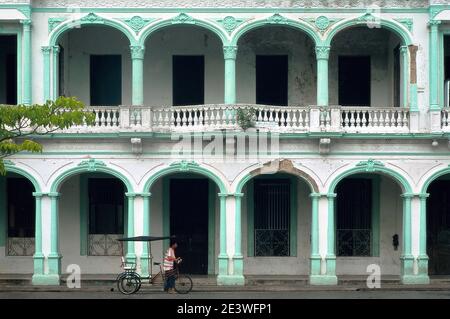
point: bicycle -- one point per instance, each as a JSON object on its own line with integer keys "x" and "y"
{"x": 129, "y": 282}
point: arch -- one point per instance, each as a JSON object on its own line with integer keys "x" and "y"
{"x": 395, "y": 27}
{"x": 433, "y": 178}
{"x": 371, "y": 166}
{"x": 279, "y": 21}
{"x": 182, "y": 19}
{"x": 285, "y": 166}
{"x": 186, "y": 167}
{"x": 90, "y": 20}
{"x": 90, "y": 166}
{"x": 11, "y": 168}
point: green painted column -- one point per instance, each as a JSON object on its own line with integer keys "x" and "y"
{"x": 407, "y": 257}
{"x": 315, "y": 255}
{"x": 131, "y": 255}
{"x": 434, "y": 65}
{"x": 423, "y": 257}
{"x": 146, "y": 226}
{"x": 54, "y": 258}
{"x": 46, "y": 71}
{"x": 137, "y": 60}
{"x": 38, "y": 257}
{"x": 230, "y": 54}
{"x": 27, "y": 63}
{"x": 330, "y": 277}
{"x": 55, "y": 67}
{"x": 322, "y": 55}
{"x": 238, "y": 258}
{"x": 405, "y": 75}
{"x": 223, "y": 255}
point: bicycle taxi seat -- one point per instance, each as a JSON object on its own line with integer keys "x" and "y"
{"x": 156, "y": 264}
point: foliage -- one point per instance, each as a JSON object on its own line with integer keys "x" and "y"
{"x": 20, "y": 123}
{"x": 246, "y": 118}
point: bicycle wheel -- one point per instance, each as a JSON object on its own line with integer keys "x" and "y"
{"x": 129, "y": 283}
{"x": 183, "y": 284}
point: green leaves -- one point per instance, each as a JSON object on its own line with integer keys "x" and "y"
{"x": 17, "y": 122}
{"x": 246, "y": 118}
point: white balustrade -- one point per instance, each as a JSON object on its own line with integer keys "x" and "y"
{"x": 374, "y": 120}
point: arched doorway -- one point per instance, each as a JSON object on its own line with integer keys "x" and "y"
{"x": 438, "y": 226}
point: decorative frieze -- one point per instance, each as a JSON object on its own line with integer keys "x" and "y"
{"x": 183, "y": 18}
{"x": 371, "y": 165}
{"x": 407, "y": 22}
{"x": 230, "y": 23}
{"x": 54, "y": 22}
{"x": 92, "y": 164}
{"x": 137, "y": 23}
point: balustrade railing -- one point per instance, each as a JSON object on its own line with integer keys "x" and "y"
{"x": 274, "y": 118}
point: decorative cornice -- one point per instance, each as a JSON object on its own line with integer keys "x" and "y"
{"x": 371, "y": 165}
{"x": 230, "y": 52}
{"x": 183, "y": 18}
{"x": 137, "y": 52}
{"x": 8, "y": 162}
{"x": 92, "y": 165}
{"x": 137, "y": 23}
{"x": 434, "y": 23}
{"x": 322, "y": 52}
{"x": 54, "y": 22}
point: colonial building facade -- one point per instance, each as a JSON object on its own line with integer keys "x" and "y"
{"x": 348, "y": 164}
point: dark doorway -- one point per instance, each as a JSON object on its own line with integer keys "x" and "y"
{"x": 354, "y": 80}
{"x": 272, "y": 80}
{"x": 106, "y": 80}
{"x": 354, "y": 217}
{"x": 21, "y": 208}
{"x": 272, "y": 217}
{"x": 8, "y": 69}
{"x": 189, "y": 222}
{"x": 188, "y": 80}
{"x": 438, "y": 228}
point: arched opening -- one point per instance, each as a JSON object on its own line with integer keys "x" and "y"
{"x": 8, "y": 69}
{"x": 186, "y": 205}
{"x": 438, "y": 226}
{"x": 93, "y": 214}
{"x": 17, "y": 214}
{"x": 94, "y": 65}
{"x": 368, "y": 224}
{"x": 276, "y": 224}
{"x": 183, "y": 67}
{"x": 367, "y": 68}
{"x": 276, "y": 65}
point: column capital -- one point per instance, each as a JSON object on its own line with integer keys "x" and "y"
{"x": 26, "y": 24}
{"x": 137, "y": 52}
{"x": 230, "y": 52}
{"x": 331, "y": 195}
{"x": 408, "y": 195}
{"x": 238, "y": 195}
{"x": 144, "y": 194}
{"x": 131, "y": 195}
{"x": 52, "y": 194}
{"x": 316, "y": 195}
{"x": 404, "y": 49}
{"x": 46, "y": 50}
{"x": 225, "y": 195}
{"x": 434, "y": 24}
{"x": 38, "y": 195}
{"x": 322, "y": 52}
{"x": 56, "y": 49}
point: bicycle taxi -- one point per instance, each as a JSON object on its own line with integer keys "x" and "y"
{"x": 129, "y": 281}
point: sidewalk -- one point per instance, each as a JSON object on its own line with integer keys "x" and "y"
{"x": 104, "y": 283}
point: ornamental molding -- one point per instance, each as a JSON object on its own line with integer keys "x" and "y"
{"x": 322, "y": 23}
{"x": 230, "y": 23}
{"x": 277, "y": 19}
{"x": 185, "y": 166}
{"x": 92, "y": 165}
{"x": 54, "y": 22}
{"x": 407, "y": 22}
{"x": 230, "y": 52}
{"x": 93, "y": 19}
{"x": 371, "y": 165}
{"x": 137, "y": 23}
{"x": 323, "y": 52}
{"x": 183, "y": 18}
{"x": 8, "y": 163}
{"x": 137, "y": 51}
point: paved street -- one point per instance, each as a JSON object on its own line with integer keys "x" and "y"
{"x": 235, "y": 295}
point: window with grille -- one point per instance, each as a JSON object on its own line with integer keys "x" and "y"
{"x": 272, "y": 210}
{"x": 354, "y": 217}
{"x": 106, "y": 216}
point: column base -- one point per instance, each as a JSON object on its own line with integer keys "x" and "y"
{"x": 54, "y": 265}
{"x": 46, "y": 280}
{"x": 38, "y": 264}
{"x": 230, "y": 280}
{"x": 238, "y": 265}
{"x": 315, "y": 262}
{"x": 415, "y": 280}
{"x": 223, "y": 265}
{"x": 145, "y": 266}
{"x": 323, "y": 280}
